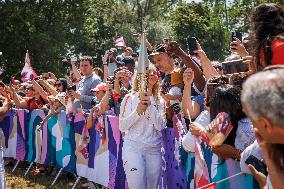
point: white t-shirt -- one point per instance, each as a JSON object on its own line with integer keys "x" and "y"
{"x": 188, "y": 141}
{"x": 175, "y": 91}
{"x": 252, "y": 149}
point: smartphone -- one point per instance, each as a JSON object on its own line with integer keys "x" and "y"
{"x": 45, "y": 75}
{"x": 234, "y": 66}
{"x": 258, "y": 165}
{"x": 70, "y": 88}
{"x": 238, "y": 35}
{"x": 192, "y": 44}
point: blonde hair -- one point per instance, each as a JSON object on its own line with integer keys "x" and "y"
{"x": 156, "y": 87}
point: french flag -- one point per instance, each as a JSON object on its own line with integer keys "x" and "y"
{"x": 201, "y": 175}
{"x": 27, "y": 73}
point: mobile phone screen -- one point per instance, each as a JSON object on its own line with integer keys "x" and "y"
{"x": 234, "y": 66}
{"x": 192, "y": 45}
{"x": 258, "y": 165}
{"x": 238, "y": 35}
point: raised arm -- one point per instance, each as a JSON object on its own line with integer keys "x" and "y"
{"x": 38, "y": 88}
{"x": 190, "y": 108}
{"x": 90, "y": 120}
{"x": 206, "y": 65}
{"x": 75, "y": 70}
{"x": 104, "y": 104}
{"x": 106, "y": 71}
{"x": 48, "y": 87}
{"x": 199, "y": 79}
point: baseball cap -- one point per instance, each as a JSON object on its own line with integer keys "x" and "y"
{"x": 60, "y": 97}
{"x": 99, "y": 87}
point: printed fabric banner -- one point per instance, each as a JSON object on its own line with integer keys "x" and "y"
{"x": 92, "y": 150}
{"x": 9, "y": 128}
{"x": 96, "y": 153}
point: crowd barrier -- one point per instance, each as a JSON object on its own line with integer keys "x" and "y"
{"x": 95, "y": 153}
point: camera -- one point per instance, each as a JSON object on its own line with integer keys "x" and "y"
{"x": 94, "y": 102}
{"x": 66, "y": 62}
{"x": 110, "y": 80}
{"x": 238, "y": 35}
{"x": 234, "y": 66}
{"x": 71, "y": 88}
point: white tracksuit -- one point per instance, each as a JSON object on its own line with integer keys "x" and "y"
{"x": 141, "y": 151}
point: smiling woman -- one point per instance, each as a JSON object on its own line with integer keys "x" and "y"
{"x": 142, "y": 119}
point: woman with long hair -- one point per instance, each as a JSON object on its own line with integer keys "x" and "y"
{"x": 267, "y": 34}
{"x": 142, "y": 118}
{"x": 226, "y": 98}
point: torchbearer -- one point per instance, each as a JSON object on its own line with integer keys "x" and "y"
{"x": 142, "y": 118}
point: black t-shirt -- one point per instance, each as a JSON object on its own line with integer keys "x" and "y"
{"x": 165, "y": 88}
{"x": 166, "y": 84}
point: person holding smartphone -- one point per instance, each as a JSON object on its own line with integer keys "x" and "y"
{"x": 142, "y": 118}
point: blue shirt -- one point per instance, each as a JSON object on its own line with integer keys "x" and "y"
{"x": 84, "y": 88}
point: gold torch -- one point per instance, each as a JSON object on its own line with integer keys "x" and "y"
{"x": 143, "y": 66}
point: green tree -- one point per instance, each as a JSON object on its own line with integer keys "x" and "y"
{"x": 199, "y": 20}
{"x": 45, "y": 28}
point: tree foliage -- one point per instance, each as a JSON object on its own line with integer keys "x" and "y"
{"x": 51, "y": 30}
{"x": 198, "y": 20}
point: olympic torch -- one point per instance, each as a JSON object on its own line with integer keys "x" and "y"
{"x": 143, "y": 66}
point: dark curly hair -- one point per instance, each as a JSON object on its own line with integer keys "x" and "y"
{"x": 226, "y": 98}
{"x": 266, "y": 24}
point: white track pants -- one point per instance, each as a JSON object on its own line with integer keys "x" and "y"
{"x": 142, "y": 168}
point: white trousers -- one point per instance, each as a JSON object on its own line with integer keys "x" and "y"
{"x": 142, "y": 169}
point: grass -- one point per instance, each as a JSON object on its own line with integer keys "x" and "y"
{"x": 17, "y": 180}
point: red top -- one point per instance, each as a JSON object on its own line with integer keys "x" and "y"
{"x": 277, "y": 47}
{"x": 35, "y": 103}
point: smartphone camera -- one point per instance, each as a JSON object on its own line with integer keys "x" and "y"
{"x": 110, "y": 80}
{"x": 192, "y": 45}
{"x": 237, "y": 35}
{"x": 234, "y": 66}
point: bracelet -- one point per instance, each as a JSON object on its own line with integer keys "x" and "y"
{"x": 238, "y": 156}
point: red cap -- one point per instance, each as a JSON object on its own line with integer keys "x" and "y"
{"x": 99, "y": 87}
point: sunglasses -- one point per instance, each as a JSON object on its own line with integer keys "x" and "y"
{"x": 58, "y": 84}
{"x": 29, "y": 89}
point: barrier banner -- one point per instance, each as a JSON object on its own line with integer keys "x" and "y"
{"x": 92, "y": 150}
{"x": 8, "y": 126}
{"x": 64, "y": 141}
